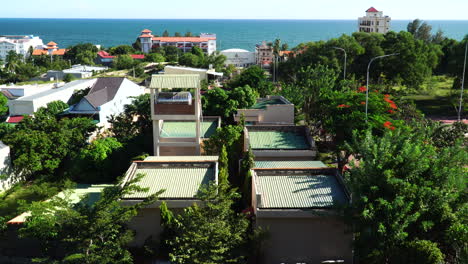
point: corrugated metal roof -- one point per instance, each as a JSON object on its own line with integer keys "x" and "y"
{"x": 177, "y": 129}
{"x": 179, "y": 182}
{"x": 277, "y": 140}
{"x": 299, "y": 191}
{"x": 70, "y": 85}
{"x": 285, "y": 164}
{"x": 168, "y": 81}
{"x": 182, "y": 158}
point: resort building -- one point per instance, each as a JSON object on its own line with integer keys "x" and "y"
{"x": 51, "y": 49}
{"x": 205, "y": 74}
{"x": 294, "y": 201}
{"x": 239, "y": 57}
{"x": 77, "y": 71}
{"x": 374, "y": 22}
{"x": 207, "y": 42}
{"x": 176, "y": 97}
{"x": 181, "y": 178}
{"x": 264, "y": 55}
{"x": 273, "y": 109}
{"x": 280, "y": 142}
{"x": 104, "y": 58}
{"x": 18, "y": 44}
{"x": 29, "y": 104}
{"x": 106, "y": 97}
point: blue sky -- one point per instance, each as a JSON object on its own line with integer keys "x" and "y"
{"x": 234, "y": 9}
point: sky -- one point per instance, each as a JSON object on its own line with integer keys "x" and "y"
{"x": 234, "y": 9}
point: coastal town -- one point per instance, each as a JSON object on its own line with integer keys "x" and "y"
{"x": 168, "y": 150}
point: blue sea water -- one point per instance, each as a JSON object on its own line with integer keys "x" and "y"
{"x": 231, "y": 33}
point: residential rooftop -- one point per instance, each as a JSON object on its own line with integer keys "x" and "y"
{"x": 186, "y": 129}
{"x": 262, "y": 104}
{"x": 292, "y": 189}
{"x": 278, "y": 137}
{"x": 181, "y": 177}
{"x": 288, "y": 164}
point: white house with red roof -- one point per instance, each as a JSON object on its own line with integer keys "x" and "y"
{"x": 374, "y": 22}
{"x": 207, "y": 42}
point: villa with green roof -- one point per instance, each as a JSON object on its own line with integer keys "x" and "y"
{"x": 270, "y": 110}
{"x": 289, "y": 142}
{"x": 295, "y": 202}
{"x": 180, "y": 176}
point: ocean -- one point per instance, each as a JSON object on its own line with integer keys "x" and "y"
{"x": 242, "y": 34}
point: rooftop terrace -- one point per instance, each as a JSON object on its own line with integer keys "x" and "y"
{"x": 264, "y": 103}
{"x": 277, "y": 137}
{"x": 288, "y": 164}
{"x": 186, "y": 129}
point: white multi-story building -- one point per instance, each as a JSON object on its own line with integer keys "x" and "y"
{"x": 374, "y": 22}
{"x": 264, "y": 55}
{"x": 18, "y": 44}
{"x": 207, "y": 42}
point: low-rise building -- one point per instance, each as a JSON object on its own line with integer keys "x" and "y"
{"x": 19, "y": 44}
{"x": 181, "y": 178}
{"x": 206, "y": 42}
{"x": 280, "y": 142}
{"x": 104, "y": 58}
{"x": 374, "y": 22}
{"x": 78, "y": 71}
{"x": 51, "y": 49}
{"x": 205, "y": 74}
{"x": 270, "y": 110}
{"x": 12, "y": 91}
{"x": 296, "y": 207}
{"x": 240, "y": 58}
{"x": 29, "y": 104}
{"x": 107, "y": 97}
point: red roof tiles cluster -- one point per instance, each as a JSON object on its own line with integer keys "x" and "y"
{"x": 105, "y": 55}
{"x": 182, "y": 39}
{"x": 372, "y": 9}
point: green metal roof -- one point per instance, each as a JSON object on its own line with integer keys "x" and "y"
{"x": 85, "y": 193}
{"x": 287, "y": 164}
{"x": 169, "y": 81}
{"x": 277, "y": 140}
{"x": 263, "y": 104}
{"x": 186, "y": 129}
{"x": 178, "y": 181}
{"x": 182, "y": 158}
{"x": 299, "y": 191}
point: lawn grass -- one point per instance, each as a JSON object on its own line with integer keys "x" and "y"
{"x": 437, "y": 98}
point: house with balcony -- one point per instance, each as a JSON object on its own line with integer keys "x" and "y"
{"x": 205, "y": 41}
{"x": 20, "y": 44}
{"x": 295, "y": 201}
{"x": 277, "y": 142}
{"x": 181, "y": 177}
{"x": 374, "y": 22}
{"x": 176, "y": 98}
{"x": 272, "y": 110}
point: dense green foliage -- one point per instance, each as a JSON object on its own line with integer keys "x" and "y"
{"x": 96, "y": 233}
{"x": 123, "y": 62}
{"x": 121, "y": 50}
{"x": 219, "y": 102}
{"x": 84, "y": 53}
{"x": 409, "y": 199}
{"x": 254, "y": 77}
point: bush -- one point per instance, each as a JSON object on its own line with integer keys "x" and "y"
{"x": 123, "y": 62}
{"x": 68, "y": 78}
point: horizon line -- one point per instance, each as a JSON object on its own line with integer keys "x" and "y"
{"x": 335, "y": 19}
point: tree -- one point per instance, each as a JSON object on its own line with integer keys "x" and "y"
{"x": 3, "y": 105}
{"x": 123, "y": 62}
{"x": 41, "y": 144}
{"x": 216, "y": 102}
{"x": 97, "y": 162}
{"x": 155, "y": 57}
{"x": 96, "y": 233}
{"x": 212, "y": 233}
{"x": 408, "y": 199}
{"x": 122, "y": 50}
{"x": 52, "y": 109}
{"x": 189, "y": 59}
{"x": 215, "y": 60}
{"x": 171, "y": 53}
{"x": 285, "y": 46}
{"x": 137, "y": 44}
{"x": 68, "y": 77}
{"x": 420, "y": 30}
{"x": 188, "y": 34}
{"x": 255, "y": 77}
{"x": 177, "y": 34}
{"x": 82, "y": 54}
{"x": 244, "y": 96}
{"x": 165, "y": 33}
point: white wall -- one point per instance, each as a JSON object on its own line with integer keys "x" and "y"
{"x": 5, "y": 168}
{"x": 239, "y": 59}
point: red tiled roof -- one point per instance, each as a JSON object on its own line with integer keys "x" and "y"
{"x": 59, "y": 52}
{"x": 138, "y": 56}
{"x": 182, "y": 39}
{"x": 372, "y": 9}
{"x": 146, "y": 31}
{"x": 39, "y": 52}
{"x": 146, "y": 36}
{"x": 103, "y": 54}
{"x": 51, "y": 44}
{"x": 14, "y": 119}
